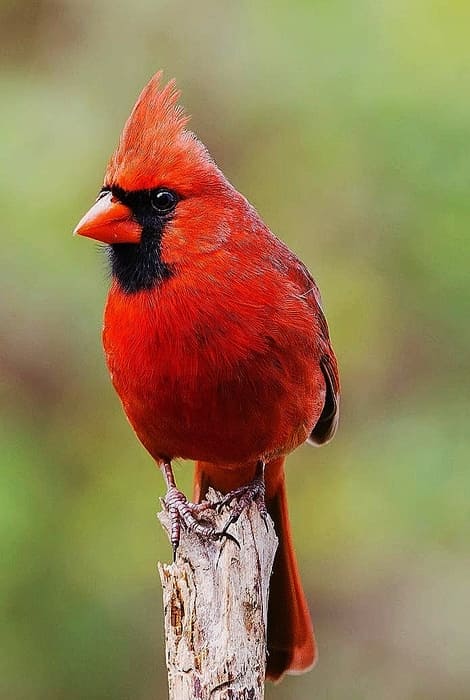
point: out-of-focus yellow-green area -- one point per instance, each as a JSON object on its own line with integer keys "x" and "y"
{"x": 348, "y": 127}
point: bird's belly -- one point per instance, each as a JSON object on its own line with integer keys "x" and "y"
{"x": 218, "y": 401}
{"x": 222, "y": 422}
{"x": 231, "y": 419}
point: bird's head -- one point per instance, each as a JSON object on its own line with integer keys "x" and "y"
{"x": 163, "y": 198}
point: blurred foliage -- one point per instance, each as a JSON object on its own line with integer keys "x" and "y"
{"x": 347, "y": 125}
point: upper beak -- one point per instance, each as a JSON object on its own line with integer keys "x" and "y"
{"x": 109, "y": 221}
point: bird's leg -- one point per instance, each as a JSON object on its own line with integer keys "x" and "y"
{"x": 182, "y": 511}
{"x": 254, "y": 492}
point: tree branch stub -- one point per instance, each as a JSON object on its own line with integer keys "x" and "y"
{"x": 215, "y": 599}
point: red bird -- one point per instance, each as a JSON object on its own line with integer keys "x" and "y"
{"x": 214, "y": 337}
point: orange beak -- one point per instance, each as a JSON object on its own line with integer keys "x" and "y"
{"x": 109, "y": 221}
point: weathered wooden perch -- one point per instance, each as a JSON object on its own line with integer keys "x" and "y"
{"x": 215, "y": 599}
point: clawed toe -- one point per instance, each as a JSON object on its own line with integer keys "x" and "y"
{"x": 184, "y": 513}
{"x": 254, "y": 492}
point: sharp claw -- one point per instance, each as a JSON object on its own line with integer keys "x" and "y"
{"x": 233, "y": 539}
{"x": 230, "y": 521}
{"x": 220, "y": 505}
{"x": 230, "y": 537}
{"x": 226, "y": 500}
{"x": 175, "y": 549}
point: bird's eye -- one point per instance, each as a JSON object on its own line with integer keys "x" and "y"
{"x": 163, "y": 201}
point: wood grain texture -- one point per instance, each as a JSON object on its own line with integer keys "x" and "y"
{"x": 215, "y": 599}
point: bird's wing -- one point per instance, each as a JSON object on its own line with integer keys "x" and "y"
{"x": 327, "y": 424}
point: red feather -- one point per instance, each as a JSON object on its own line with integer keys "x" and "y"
{"x": 228, "y": 360}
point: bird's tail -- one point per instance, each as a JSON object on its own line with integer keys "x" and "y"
{"x": 291, "y": 643}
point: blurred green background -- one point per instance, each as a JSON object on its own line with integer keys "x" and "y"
{"x": 348, "y": 127}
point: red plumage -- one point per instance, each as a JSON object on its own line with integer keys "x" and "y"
{"x": 225, "y": 357}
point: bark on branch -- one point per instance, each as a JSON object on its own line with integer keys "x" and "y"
{"x": 215, "y": 601}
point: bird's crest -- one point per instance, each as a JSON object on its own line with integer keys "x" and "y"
{"x": 154, "y": 140}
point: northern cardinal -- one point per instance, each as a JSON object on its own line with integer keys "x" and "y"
{"x": 215, "y": 339}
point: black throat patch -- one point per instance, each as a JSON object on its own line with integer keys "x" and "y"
{"x": 139, "y": 266}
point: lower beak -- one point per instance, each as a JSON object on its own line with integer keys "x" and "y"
{"x": 109, "y": 221}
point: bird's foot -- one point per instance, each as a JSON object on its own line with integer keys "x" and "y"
{"x": 254, "y": 492}
{"x": 183, "y": 512}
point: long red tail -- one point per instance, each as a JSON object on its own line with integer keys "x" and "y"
{"x": 291, "y": 643}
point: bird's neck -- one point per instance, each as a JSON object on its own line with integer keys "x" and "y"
{"x": 138, "y": 266}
